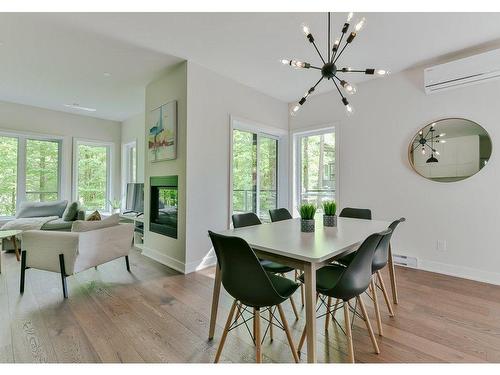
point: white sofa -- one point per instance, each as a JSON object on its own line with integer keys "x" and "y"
{"x": 71, "y": 252}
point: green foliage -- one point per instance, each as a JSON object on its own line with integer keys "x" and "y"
{"x": 42, "y": 174}
{"x": 245, "y": 172}
{"x": 8, "y": 176}
{"x": 307, "y": 211}
{"x": 317, "y": 172}
{"x": 329, "y": 208}
{"x": 92, "y": 176}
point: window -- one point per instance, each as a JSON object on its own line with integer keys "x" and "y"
{"x": 30, "y": 169}
{"x": 254, "y": 172}
{"x": 8, "y": 176}
{"x": 315, "y": 169}
{"x": 92, "y": 161}
{"x": 130, "y": 162}
{"x": 42, "y": 170}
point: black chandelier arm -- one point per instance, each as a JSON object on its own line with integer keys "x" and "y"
{"x": 319, "y": 53}
{"x": 428, "y": 131}
{"x": 341, "y": 51}
{"x": 338, "y": 89}
{"x": 369, "y": 71}
{"x": 344, "y": 31}
{"x": 317, "y": 83}
{"x": 315, "y": 67}
{"x": 328, "y": 45}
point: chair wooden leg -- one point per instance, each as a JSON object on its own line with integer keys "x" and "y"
{"x": 63, "y": 275}
{"x": 386, "y": 296}
{"x": 238, "y": 312}
{"x": 301, "y": 288}
{"x": 392, "y": 275}
{"x": 368, "y": 325}
{"x": 347, "y": 323}
{"x": 16, "y": 248}
{"x": 254, "y": 329}
{"x": 258, "y": 349}
{"x": 376, "y": 306}
{"x": 327, "y": 317}
{"x": 226, "y": 330}
{"x": 335, "y": 307}
{"x": 301, "y": 341}
{"x": 294, "y": 308}
{"x": 23, "y": 271}
{"x": 304, "y": 332}
{"x": 271, "y": 323}
{"x": 288, "y": 334}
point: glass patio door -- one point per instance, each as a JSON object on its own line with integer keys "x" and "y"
{"x": 254, "y": 172}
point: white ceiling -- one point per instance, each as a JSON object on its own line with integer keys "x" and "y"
{"x": 48, "y": 59}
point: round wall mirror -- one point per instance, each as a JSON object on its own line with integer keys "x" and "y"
{"x": 450, "y": 150}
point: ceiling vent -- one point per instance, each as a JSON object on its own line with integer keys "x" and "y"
{"x": 463, "y": 72}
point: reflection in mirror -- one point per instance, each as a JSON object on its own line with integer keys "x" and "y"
{"x": 450, "y": 150}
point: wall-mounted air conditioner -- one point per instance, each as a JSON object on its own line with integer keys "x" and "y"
{"x": 463, "y": 72}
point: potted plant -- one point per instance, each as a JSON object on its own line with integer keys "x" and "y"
{"x": 329, "y": 217}
{"x": 307, "y": 212}
{"x": 115, "y": 205}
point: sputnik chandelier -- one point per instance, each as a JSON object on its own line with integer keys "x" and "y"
{"x": 428, "y": 141}
{"x": 330, "y": 69}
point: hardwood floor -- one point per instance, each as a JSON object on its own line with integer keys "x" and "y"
{"x": 155, "y": 314}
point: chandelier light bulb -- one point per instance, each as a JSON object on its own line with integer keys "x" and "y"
{"x": 285, "y": 61}
{"x": 305, "y": 29}
{"x": 294, "y": 109}
{"x": 382, "y": 72}
{"x": 423, "y": 150}
{"x": 349, "y": 17}
{"x": 360, "y": 25}
{"x": 437, "y": 152}
{"x": 297, "y": 64}
{"x": 348, "y": 87}
{"x": 442, "y": 135}
{"x": 349, "y": 110}
{"x": 442, "y": 141}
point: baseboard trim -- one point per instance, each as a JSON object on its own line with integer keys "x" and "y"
{"x": 164, "y": 259}
{"x": 208, "y": 261}
{"x": 460, "y": 271}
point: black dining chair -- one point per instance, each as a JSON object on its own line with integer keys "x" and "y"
{"x": 249, "y": 219}
{"x": 280, "y": 214}
{"x": 380, "y": 260}
{"x": 345, "y": 284}
{"x": 252, "y": 287}
{"x": 356, "y": 213}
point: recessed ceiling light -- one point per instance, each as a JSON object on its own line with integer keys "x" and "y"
{"x": 107, "y": 74}
{"x": 79, "y": 107}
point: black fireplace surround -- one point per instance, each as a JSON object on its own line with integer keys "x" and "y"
{"x": 164, "y": 205}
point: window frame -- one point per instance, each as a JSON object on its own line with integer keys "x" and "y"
{"x": 296, "y": 162}
{"x": 242, "y": 124}
{"x": 22, "y": 138}
{"x": 109, "y": 167}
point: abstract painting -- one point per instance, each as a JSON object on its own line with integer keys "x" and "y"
{"x": 162, "y": 136}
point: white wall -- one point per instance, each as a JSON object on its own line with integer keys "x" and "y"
{"x": 28, "y": 119}
{"x": 132, "y": 129}
{"x": 171, "y": 86}
{"x": 212, "y": 99}
{"x": 375, "y": 173}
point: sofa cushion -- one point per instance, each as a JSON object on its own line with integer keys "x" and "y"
{"x": 58, "y": 224}
{"x": 70, "y": 212}
{"x": 94, "y": 216}
{"x": 85, "y": 226}
{"x": 42, "y": 209}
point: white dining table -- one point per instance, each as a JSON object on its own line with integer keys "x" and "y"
{"x": 284, "y": 242}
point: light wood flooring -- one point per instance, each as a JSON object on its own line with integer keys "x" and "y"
{"x": 155, "y": 314}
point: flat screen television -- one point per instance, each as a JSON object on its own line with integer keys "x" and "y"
{"x": 135, "y": 197}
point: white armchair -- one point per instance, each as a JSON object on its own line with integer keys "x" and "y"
{"x": 71, "y": 252}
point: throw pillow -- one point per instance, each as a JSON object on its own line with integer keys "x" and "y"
{"x": 85, "y": 226}
{"x": 94, "y": 216}
{"x": 70, "y": 212}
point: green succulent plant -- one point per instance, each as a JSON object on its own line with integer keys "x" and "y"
{"x": 329, "y": 208}
{"x": 307, "y": 211}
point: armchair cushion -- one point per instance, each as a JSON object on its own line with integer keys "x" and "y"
{"x": 85, "y": 226}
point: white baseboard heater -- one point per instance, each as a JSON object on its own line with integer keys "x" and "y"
{"x": 403, "y": 260}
